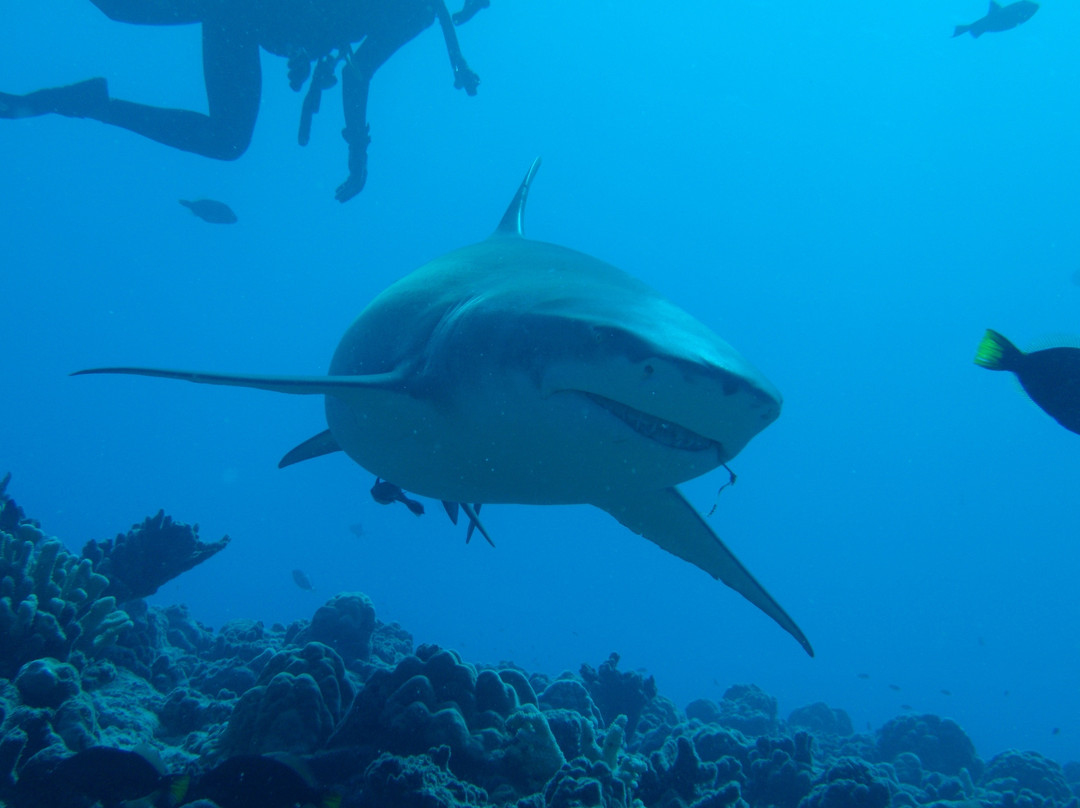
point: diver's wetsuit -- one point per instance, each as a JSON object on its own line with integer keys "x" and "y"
{"x": 232, "y": 33}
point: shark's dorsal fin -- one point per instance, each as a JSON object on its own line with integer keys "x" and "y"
{"x": 994, "y": 6}
{"x": 513, "y": 221}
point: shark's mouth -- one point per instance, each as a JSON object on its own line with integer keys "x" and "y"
{"x": 657, "y": 429}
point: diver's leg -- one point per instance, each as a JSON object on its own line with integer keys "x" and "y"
{"x": 153, "y": 12}
{"x": 89, "y": 99}
{"x": 233, "y": 85}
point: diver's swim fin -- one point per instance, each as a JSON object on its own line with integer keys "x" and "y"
{"x": 84, "y": 99}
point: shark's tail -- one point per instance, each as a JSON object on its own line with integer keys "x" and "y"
{"x": 963, "y": 29}
{"x": 995, "y": 352}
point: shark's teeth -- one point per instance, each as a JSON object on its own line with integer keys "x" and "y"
{"x": 657, "y": 429}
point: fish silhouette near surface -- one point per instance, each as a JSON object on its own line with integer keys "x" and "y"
{"x": 210, "y": 210}
{"x": 999, "y": 18}
{"x": 1050, "y": 377}
{"x": 518, "y": 371}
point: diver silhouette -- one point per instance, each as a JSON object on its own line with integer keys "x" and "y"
{"x": 306, "y": 32}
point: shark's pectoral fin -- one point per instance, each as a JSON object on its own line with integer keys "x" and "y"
{"x": 296, "y": 385}
{"x": 321, "y": 444}
{"x": 666, "y": 518}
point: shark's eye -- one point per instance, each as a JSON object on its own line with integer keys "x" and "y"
{"x": 648, "y": 370}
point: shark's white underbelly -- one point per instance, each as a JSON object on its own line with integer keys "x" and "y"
{"x": 506, "y": 444}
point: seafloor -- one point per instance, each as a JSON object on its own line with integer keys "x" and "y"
{"x": 84, "y": 662}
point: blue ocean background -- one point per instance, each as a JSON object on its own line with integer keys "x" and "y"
{"x": 841, "y": 190}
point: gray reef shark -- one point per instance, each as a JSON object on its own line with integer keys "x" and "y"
{"x": 999, "y": 18}
{"x": 517, "y": 371}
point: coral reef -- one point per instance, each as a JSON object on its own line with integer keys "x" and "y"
{"x": 940, "y": 744}
{"x": 52, "y": 604}
{"x": 150, "y": 554}
{"x": 366, "y": 717}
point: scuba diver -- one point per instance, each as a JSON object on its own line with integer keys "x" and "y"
{"x": 308, "y": 33}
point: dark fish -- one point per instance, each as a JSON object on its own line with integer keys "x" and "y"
{"x": 946, "y": 692}
{"x": 245, "y": 781}
{"x": 385, "y": 493}
{"x": 1055, "y": 731}
{"x": 210, "y": 210}
{"x": 357, "y": 529}
{"x": 302, "y": 580}
{"x": 864, "y": 675}
{"x": 1076, "y": 278}
{"x": 907, "y": 707}
{"x": 116, "y": 777}
{"x": 894, "y": 687}
{"x": 1051, "y": 376}
{"x": 999, "y": 18}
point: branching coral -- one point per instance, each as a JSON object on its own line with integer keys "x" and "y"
{"x": 151, "y": 554}
{"x": 51, "y": 602}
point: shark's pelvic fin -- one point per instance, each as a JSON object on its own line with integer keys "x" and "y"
{"x": 296, "y": 385}
{"x": 666, "y": 518}
{"x": 451, "y": 509}
{"x": 474, "y": 522}
{"x": 513, "y": 221}
{"x": 321, "y": 444}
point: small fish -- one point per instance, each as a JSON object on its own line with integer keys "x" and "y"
{"x": 1051, "y": 377}
{"x": 946, "y": 692}
{"x": 864, "y": 675}
{"x": 385, "y": 493}
{"x": 907, "y": 707}
{"x": 894, "y": 687}
{"x": 1076, "y": 278}
{"x": 118, "y": 777}
{"x": 357, "y": 529}
{"x": 1055, "y": 731}
{"x": 210, "y": 210}
{"x": 302, "y": 580}
{"x": 999, "y": 18}
{"x": 244, "y": 781}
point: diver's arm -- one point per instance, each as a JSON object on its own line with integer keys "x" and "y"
{"x": 463, "y": 74}
{"x": 354, "y": 93}
{"x": 469, "y": 10}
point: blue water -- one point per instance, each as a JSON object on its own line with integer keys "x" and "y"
{"x": 841, "y": 190}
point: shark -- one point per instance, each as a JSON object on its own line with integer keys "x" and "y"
{"x": 525, "y": 372}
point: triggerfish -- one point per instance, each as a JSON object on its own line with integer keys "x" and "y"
{"x": 1051, "y": 377}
